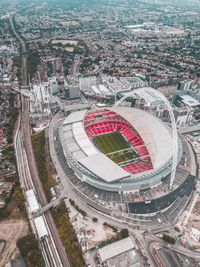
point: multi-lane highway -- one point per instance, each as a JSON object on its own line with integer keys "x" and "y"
{"x": 52, "y": 248}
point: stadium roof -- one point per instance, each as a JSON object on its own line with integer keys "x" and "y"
{"x": 75, "y": 117}
{"x": 156, "y": 136}
{"x": 104, "y": 167}
{"x": 83, "y": 140}
{"x": 116, "y": 248}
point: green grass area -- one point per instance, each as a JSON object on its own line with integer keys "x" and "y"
{"x": 112, "y": 142}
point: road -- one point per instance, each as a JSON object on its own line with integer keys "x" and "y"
{"x": 152, "y": 241}
{"x": 52, "y": 247}
{"x": 24, "y": 55}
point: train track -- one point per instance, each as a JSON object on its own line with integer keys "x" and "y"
{"x": 51, "y": 245}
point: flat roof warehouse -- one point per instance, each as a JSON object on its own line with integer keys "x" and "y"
{"x": 119, "y": 250}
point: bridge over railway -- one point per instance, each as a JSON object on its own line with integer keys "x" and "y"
{"x": 24, "y": 91}
{"x": 52, "y": 204}
{"x": 62, "y": 196}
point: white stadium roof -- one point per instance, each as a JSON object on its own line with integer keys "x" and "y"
{"x": 75, "y": 117}
{"x": 104, "y": 167}
{"x": 156, "y": 136}
{"x": 83, "y": 140}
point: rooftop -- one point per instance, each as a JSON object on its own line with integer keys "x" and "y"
{"x": 104, "y": 167}
{"x": 156, "y": 136}
{"x": 190, "y": 101}
{"x": 32, "y": 201}
{"x": 83, "y": 140}
{"x": 75, "y": 117}
{"x": 116, "y": 248}
{"x": 76, "y": 107}
{"x": 148, "y": 96}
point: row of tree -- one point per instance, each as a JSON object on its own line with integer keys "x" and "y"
{"x": 11, "y": 119}
{"x": 72, "y": 202}
{"x": 169, "y": 239}
{"x": 33, "y": 61}
{"x": 38, "y": 143}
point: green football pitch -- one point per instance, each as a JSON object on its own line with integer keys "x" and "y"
{"x": 112, "y": 142}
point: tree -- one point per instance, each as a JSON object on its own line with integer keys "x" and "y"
{"x": 4, "y": 213}
{"x": 34, "y": 257}
{"x": 169, "y": 239}
{"x": 123, "y": 233}
{"x": 29, "y": 249}
{"x": 19, "y": 196}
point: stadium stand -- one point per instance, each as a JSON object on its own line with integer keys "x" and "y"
{"x": 161, "y": 203}
{"x": 106, "y": 121}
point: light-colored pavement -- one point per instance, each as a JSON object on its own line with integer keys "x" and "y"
{"x": 11, "y": 231}
{"x": 196, "y": 196}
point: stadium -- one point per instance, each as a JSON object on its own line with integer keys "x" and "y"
{"x": 117, "y": 149}
{"x": 123, "y": 151}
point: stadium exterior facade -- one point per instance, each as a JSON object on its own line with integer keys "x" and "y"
{"x": 96, "y": 169}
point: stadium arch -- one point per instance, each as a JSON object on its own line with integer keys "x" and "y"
{"x": 161, "y": 97}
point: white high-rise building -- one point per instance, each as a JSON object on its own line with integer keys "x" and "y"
{"x": 53, "y": 85}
